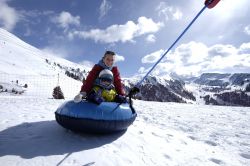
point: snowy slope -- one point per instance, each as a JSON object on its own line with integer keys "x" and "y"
{"x": 163, "y": 134}
{"x": 27, "y": 64}
{"x": 18, "y": 57}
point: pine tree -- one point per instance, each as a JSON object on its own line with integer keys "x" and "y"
{"x": 247, "y": 88}
{"x": 25, "y": 86}
{"x": 57, "y": 93}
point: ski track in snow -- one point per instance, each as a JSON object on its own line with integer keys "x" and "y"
{"x": 163, "y": 134}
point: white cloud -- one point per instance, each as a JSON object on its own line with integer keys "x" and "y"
{"x": 65, "y": 19}
{"x": 141, "y": 70}
{"x": 244, "y": 48}
{"x": 28, "y": 32}
{"x": 151, "y": 38}
{"x": 163, "y": 68}
{"x": 58, "y": 52}
{"x": 228, "y": 9}
{"x": 187, "y": 70}
{"x": 177, "y": 14}
{"x": 222, "y": 50}
{"x": 119, "y": 58}
{"x": 168, "y": 12}
{"x": 153, "y": 57}
{"x": 87, "y": 64}
{"x": 124, "y": 33}
{"x": 8, "y": 16}
{"x": 90, "y": 64}
{"x": 196, "y": 58}
{"x": 247, "y": 30}
{"x": 147, "y": 25}
{"x": 104, "y": 8}
{"x": 190, "y": 53}
{"x": 233, "y": 62}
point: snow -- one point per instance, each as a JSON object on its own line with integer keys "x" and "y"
{"x": 27, "y": 64}
{"x": 163, "y": 134}
{"x": 18, "y": 57}
{"x": 197, "y": 92}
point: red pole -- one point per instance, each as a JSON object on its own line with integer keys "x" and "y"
{"x": 211, "y": 3}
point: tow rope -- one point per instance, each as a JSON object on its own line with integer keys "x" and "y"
{"x": 207, "y": 4}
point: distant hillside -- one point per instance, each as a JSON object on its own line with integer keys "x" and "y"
{"x": 21, "y": 63}
{"x": 224, "y": 89}
{"x": 222, "y": 80}
{"x": 164, "y": 89}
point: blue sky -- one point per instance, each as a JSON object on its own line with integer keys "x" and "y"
{"x": 139, "y": 31}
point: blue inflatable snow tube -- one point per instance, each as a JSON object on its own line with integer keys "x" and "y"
{"x": 88, "y": 117}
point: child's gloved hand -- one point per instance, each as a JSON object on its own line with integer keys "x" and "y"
{"x": 78, "y": 98}
{"x": 134, "y": 91}
{"x": 120, "y": 99}
{"x": 95, "y": 98}
{"x": 98, "y": 100}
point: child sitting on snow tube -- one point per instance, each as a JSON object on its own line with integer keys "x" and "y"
{"x": 106, "y": 62}
{"x": 104, "y": 89}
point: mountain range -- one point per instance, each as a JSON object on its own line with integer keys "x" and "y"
{"x": 22, "y": 66}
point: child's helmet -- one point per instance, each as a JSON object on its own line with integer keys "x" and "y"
{"x": 106, "y": 75}
{"x": 105, "y": 79}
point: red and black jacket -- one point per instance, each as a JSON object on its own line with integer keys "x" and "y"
{"x": 93, "y": 75}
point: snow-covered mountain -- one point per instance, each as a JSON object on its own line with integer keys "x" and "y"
{"x": 30, "y": 71}
{"x": 223, "y": 80}
{"x": 164, "y": 89}
{"x": 22, "y": 64}
{"x": 223, "y": 89}
{"x": 209, "y": 88}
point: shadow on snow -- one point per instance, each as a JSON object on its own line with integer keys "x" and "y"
{"x": 45, "y": 138}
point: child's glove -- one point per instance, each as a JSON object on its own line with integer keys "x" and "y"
{"x": 134, "y": 91}
{"x": 120, "y": 99}
{"x": 94, "y": 97}
{"x": 78, "y": 98}
{"x": 98, "y": 100}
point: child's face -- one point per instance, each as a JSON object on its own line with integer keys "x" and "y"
{"x": 109, "y": 60}
{"x": 106, "y": 82}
